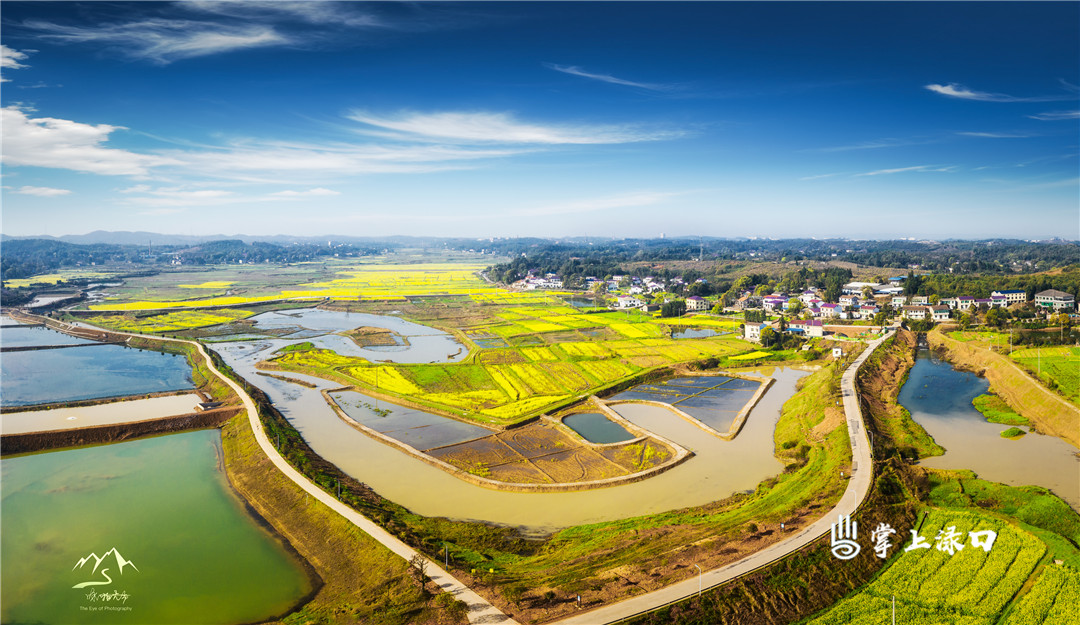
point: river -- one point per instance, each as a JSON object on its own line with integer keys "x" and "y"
{"x": 939, "y": 399}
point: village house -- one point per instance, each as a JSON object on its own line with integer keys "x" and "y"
{"x": 1012, "y": 296}
{"x": 964, "y": 302}
{"x": 812, "y": 327}
{"x": 867, "y": 311}
{"x": 919, "y": 300}
{"x": 849, "y": 300}
{"x": 695, "y": 303}
{"x": 915, "y": 312}
{"x": 752, "y": 331}
{"x": 831, "y": 310}
{"x": 898, "y": 300}
{"x": 939, "y": 312}
{"x": 1055, "y": 300}
{"x": 628, "y": 301}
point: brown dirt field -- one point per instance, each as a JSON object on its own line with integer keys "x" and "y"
{"x": 1050, "y": 414}
{"x": 541, "y": 453}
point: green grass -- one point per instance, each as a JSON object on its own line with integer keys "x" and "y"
{"x": 1057, "y": 367}
{"x": 997, "y": 411}
{"x": 1013, "y": 433}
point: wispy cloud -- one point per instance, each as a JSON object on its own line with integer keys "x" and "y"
{"x": 626, "y": 200}
{"x": 955, "y": 90}
{"x": 996, "y": 135}
{"x": 486, "y": 127}
{"x": 343, "y": 14}
{"x": 164, "y": 41}
{"x": 820, "y": 176}
{"x": 1054, "y": 116}
{"x": 177, "y": 197}
{"x": 874, "y": 144}
{"x": 901, "y": 170}
{"x": 9, "y": 59}
{"x": 42, "y": 191}
{"x": 317, "y": 192}
{"x": 574, "y": 70}
{"x": 65, "y": 144}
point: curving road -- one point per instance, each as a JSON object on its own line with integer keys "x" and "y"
{"x": 480, "y": 611}
{"x": 857, "y": 488}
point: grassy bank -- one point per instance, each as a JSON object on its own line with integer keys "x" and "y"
{"x": 879, "y": 384}
{"x": 361, "y": 579}
{"x": 1049, "y": 412}
{"x": 997, "y": 411}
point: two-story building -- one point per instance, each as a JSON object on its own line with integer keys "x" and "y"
{"x": 1055, "y": 300}
{"x": 696, "y": 303}
{"x": 1012, "y": 296}
{"x": 914, "y": 312}
{"x": 939, "y": 312}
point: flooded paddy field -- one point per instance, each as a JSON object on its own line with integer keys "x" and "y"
{"x": 939, "y": 399}
{"x": 176, "y": 543}
{"x": 18, "y": 335}
{"x": 59, "y": 375}
{"x": 102, "y": 414}
{"x": 597, "y": 428}
{"x": 713, "y": 400}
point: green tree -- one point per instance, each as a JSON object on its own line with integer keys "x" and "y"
{"x": 674, "y": 308}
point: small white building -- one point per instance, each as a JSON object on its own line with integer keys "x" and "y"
{"x": 695, "y": 303}
{"x": 939, "y": 312}
{"x": 752, "y": 331}
{"x": 898, "y": 300}
{"x": 1012, "y": 296}
{"x": 914, "y": 312}
{"x": 919, "y": 300}
{"x": 628, "y": 301}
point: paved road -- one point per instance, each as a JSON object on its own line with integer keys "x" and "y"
{"x": 857, "y": 488}
{"x": 480, "y": 611}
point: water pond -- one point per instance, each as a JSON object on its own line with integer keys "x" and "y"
{"x": 416, "y": 428}
{"x": 424, "y": 344}
{"x": 164, "y": 505}
{"x": 713, "y": 400}
{"x": 597, "y": 428}
{"x": 695, "y": 333}
{"x": 939, "y": 399}
{"x": 58, "y": 375}
{"x": 35, "y": 336}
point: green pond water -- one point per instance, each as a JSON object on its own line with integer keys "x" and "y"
{"x": 164, "y": 505}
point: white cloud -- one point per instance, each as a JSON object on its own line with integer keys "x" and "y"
{"x": 165, "y": 40}
{"x": 9, "y": 59}
{"x": 1054, "y": 116}
{"x": 65, "y": 144}
{"x": 874, "y": 144}
{"x": 316, "y": 192}
{"x": 484, "y": 127}
{"x": 900, "y": 170}
{"x": 995, "y": 135}
{"x": 42, "y": 191}
{"x": 955, "y": 90}
{"x": 173, "y": 197}
{"x": 626, "y": 200}
{"x": 820, "y": 176}
{"x": 577, "y": 71}
{"x": 311, "y": 12}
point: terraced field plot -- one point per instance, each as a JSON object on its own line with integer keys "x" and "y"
{"x": 713, "y": 400}
{"x": 539, "y": 453}
{"x": 416, "y": 428}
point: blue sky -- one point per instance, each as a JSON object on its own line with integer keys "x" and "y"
{"x": 861, "y": 120}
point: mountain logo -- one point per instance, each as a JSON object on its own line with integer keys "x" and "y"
{"x": 98, "y": 561}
